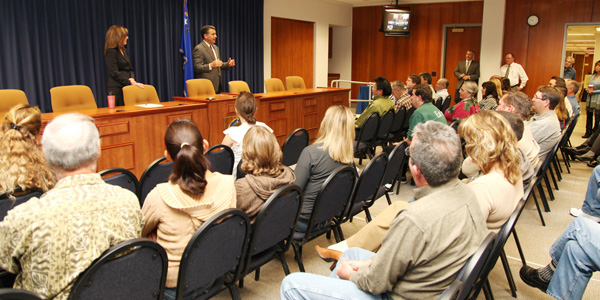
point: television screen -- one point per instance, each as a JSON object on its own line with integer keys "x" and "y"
{"x": 395, "y": 21}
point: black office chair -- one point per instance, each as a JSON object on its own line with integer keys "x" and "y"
{"x": 396, "y": 129}
{"x": 6, "y": 203}
{"x": 471, "y": 274}
{"x": 213, "y": 259}
{"x": 123, "y": 178}
{"x": 157, "y": 172}
{"x": 221, "y": 159}
{"x": 330, "y": 204}
{"x": 293, "y": 146}
{"x": 385, "y": 125}
{"x": 17, "y": 294}
{"x": 406, "y": 124}
{"x": 273, "y": 230}
{"x": 133, "y": 269}
{"x": 396, "y": 160}
{"x": 366, "y": 137}
{"x": 446, "y": 104}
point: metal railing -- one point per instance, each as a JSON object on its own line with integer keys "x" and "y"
{"x": 336, "y": 83}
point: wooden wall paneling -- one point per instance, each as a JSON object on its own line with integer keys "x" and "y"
{"x": 595, "y": 17}
{"x": 471, "y": 12}
{"x": 516, "y": 31}
{"x": 361, "y": 45}
{"x": 292, "y": 44}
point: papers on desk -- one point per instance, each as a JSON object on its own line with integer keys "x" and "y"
{"x": 149, "y": 105}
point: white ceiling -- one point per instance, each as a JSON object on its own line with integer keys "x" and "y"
{"x": 581, "y": 39}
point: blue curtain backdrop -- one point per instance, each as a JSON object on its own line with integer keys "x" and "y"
{"x": 61, "y": 42}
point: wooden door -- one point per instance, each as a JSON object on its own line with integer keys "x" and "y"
{"x": 292, "y": 44}
{"x": 457, "y": 44}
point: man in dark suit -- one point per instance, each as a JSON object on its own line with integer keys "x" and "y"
{"x": 207, "y": 58}
{"x": 466, "y": 70}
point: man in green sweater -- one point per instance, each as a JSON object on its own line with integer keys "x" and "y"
{"x": 381, "y": 101}
{"x": 428, "y": 242}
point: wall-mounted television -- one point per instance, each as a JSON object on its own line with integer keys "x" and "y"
{"x": 396, "y": 21}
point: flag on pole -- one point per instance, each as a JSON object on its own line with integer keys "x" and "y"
{"x": 186, "y": 48}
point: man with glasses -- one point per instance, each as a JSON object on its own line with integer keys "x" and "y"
{"x": 544, "y": 125}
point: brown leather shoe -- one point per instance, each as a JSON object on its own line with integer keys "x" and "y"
{"x": 327, "y": 254}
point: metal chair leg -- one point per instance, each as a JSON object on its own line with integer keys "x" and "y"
{"x": 509, "y": 277}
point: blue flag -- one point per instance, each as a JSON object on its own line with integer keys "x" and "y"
{"x": 186, "y": 48}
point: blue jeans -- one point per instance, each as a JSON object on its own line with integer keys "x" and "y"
{"x": 591, "y": 204}
{"x": 577, "y": 252}
{"x": 313, "y": 286}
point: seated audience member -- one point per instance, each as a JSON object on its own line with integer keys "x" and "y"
{"x": 563, "y": 109}
{"x": 492, "y": 146}
{"x": 331, "y": 150}
{"x": 48, "y": 242}
{"x": 425, "y": 110}
{"x": 442, "y": 90}
{"x": 261, "y": 161}
{"x": 520, "y": 104}
{"x": 428, "y": 242}
{"x": 572, "y": 89}
{"x": 427, "y": 79}
{"x": 21, "y": 158}
{"x": 544, "y": 125}
{"x": 381, "y": 101}
{"x": 467, "y": 104}
{"x": 506, "y": 85}
{"x": 411, "y": 82}
{"x": 497, "y": 81}
{"x": 591, "y": 203}
{"x": 575, "y": 257}
{"x": 400, "y": 96}
{"x": 245, "y": 109}
{"x": 489, "y": 95}
{"x": 176, "y": 209}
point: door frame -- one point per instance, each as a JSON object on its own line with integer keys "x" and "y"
{"x": 444, "y": 30}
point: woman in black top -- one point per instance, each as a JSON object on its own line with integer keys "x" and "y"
{"x": 120, "y": 71}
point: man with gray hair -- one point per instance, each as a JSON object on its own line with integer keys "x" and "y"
{"x": 426, "y": 245}
{"x": 570, "y": 72}
{"x": 49, "y": 241}
{"x": 441, "y": 88}
{"x": 400, "y": 96}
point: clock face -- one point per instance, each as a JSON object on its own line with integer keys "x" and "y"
{"x": 533, "y": 20}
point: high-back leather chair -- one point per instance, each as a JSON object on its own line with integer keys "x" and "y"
{"x": 72, "y": 97}
{"x": 133, "y": 95}
{"x": 238, "y": 86}
{"x": 274, "y": 85}
{"x": 294, "y": 83}
{"x": 10, "y": 98}
{"x": 200, "y": 88}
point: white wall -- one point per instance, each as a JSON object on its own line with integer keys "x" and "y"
{"x": 323, "y": 14}
{"x": 492, "y": 34}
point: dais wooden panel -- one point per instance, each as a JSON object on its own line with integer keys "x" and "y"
{"x": 122, "y": 155}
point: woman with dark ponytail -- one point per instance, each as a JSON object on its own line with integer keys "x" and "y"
{"x": 175, "y": 210}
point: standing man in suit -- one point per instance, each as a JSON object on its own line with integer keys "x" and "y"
{"x": 466, "y": 70}
{"x": 207, "y": 58}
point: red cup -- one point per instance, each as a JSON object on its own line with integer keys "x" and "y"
{"x": 111, "y": 101}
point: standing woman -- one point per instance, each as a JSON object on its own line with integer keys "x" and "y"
{"x": 489, "y": 96}
{"x": 593, "y": 99}
{"x": 467, "y": 105}
{"x": 332, "y": 149}
{"x": 120, "y": 71}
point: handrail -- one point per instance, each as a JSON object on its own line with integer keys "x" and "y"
{"x": 336, "y": 83}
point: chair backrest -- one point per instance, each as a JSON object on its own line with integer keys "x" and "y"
{"x": 10, "y": 98}
{"x": 133, "y": 95}
{"x": 221, "y": 159}
{"x": 446, "y": 103}
{"x": 409, "y": 113}
{"x": 368, "y": 184}
{"x": 453, "y": 291}
{"x": 17, "y": 294}
{"x": 274, "y": 85}
{"x": 293, "y": 146}
{"x": 469, "y": 275}
{"x": 239, "y": 173}
{"x": 385, "y": 125}
{"x": 395, "y": 162}
{"x": 368, "y": 131}
{"x": 275, "y": 223}
{"x": 294, "y": 83}
{"x": 200, "y": 88}
{"x": 122, "y": 177}
{"x": 567, "y": 133}
{"x": 72, "y": 97}
{"x": 398, "y": 121}
{"x": 133, "y": 269}
{"x": 216, "y": 249}
{"x": 7, "y": 203}
{"x": 154, "y": 174}
{"x": 334, "y": 196}
{"x": 238, "y": 86}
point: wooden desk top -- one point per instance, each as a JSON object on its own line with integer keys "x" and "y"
{"x": 307, "y": 92}
{"x": 129, "y": 110}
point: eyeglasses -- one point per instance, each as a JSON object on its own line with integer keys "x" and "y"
{"x": 539, "y": 98}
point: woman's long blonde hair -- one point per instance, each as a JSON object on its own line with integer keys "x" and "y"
{"x": 114, "y": 37}
{"x": 490, "y": 141}
{"x": 262, "y": 154}
{"x": 21, "y": 159}
{"x": 337, "y": 133}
